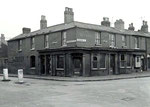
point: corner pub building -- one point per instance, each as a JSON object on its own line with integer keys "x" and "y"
{"x": 80, "y": 49}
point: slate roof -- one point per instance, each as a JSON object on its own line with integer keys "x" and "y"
{"x": 65, "y": 26}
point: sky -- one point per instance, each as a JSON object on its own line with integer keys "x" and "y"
{"x": 16, "y": 14}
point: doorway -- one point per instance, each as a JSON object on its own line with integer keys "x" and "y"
{"x": 112, "y": 64}
{"x": 77, "y": 64}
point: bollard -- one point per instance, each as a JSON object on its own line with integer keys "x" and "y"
{"x": 5, "y": 75}
{"x": 20, "y": 76}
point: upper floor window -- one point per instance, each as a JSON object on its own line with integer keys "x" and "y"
{"x": 46, "y": 43}
{"x": 136, "y": 41}
{"x": 124, "y": 40}
{"x": 97, "y": 38}
{"x": 32, "y": 43}
{"x": 112, "y": 40}
{"x": 20, "y": 45}
{"x": 64, "y": 37}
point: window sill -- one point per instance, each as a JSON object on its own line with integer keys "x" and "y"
{"x": 32, "y": 68}
{"x": 128, "y": 66}
{"x": 61, "y": 69}
{"x": 102, "y": 68}
{"x": 136, "y": 48}
{"x": 46, "y": 47}
{"x": 98, "y": 45}
{"x": 20, "y": 50}
{"x": 95, "y": 69}
{"x": 122, "y": 67}
{"x": 32, "y": 49}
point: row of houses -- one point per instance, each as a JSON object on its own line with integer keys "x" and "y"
{"x": 80, "y": 49}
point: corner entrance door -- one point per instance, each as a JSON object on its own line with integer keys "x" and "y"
{"x": 77, "y": 65}
{"x": 112, "y": 63}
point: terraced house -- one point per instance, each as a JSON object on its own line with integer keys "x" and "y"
{"x": 80, "y": 49}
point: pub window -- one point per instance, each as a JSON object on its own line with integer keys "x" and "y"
{"x": 124, "y": 40}
{"x": 122, "y": 60}
{"x": 95, "y": 61}
{"x": 32, "y": 61}
{"x": 60, "y": 62}
{"x": 97, "y": 38}
{"x": 64, "y": 37}
{"x": 128, "y": 60}
{"x": 32, "y": 43}
{"x": 102, "y": 60}
{"x": 46, "y": 43}
{"x": 20, "y": 45}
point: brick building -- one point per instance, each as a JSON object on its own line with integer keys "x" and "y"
{"x": 80, "y": 49}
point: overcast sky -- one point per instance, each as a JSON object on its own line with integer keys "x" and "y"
{"x": 16, "y": 14}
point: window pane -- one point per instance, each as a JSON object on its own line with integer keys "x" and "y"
{"x": 122, "y": 57}
{"x": 102, "y": 60}
{"x": 32, "y": 61}
{"x": 64, "y": 37}
{"x": 94, "y": 61}
{"x": 128, "y": 60}
{"x": 148, "y": 62}
{"x": 60, "y": 61}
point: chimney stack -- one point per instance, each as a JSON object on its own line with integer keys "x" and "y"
{"x": 26, "y": 30}
{"x": 131, "y": 27}
{"x": 105, "y": 22}
{"x": 2, "y": 39}
{"x": 119, "y": 24}
{"x": 43, "y": 22}
{"x": 68, "y": 15}
{"x": 144, "y": 27}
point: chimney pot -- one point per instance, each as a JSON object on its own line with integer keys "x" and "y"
{"x": 144, "y": 27}
{"x": 131, "y": 27}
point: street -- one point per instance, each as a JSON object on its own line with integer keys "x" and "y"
{"x": 44, "y": 93}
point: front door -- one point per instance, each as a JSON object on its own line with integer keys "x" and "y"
{"x": 112, "y": 63}
{"x": 77, "y": 66}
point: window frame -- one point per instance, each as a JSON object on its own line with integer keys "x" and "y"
{"x": 63, "y": 38}
{"x": 124, "y": 42}
{"x": 105, "y": 60}
{"x": 94, "y": 55}
{"x": 98, "y": 38}
{"x": 46, "y": 42}
{"x": 57, "y": 68}
{"x": 112, "y": 39}
{"x": 136, "y": 43}
{"x": 20, "y": 45}
{"x": 32, "y": 44}
{"x": 124, "y": 61}
{"x": 31, "y": 62}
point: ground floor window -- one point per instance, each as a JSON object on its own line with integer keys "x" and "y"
{"x": 122, "y": 60}
{"x": 148, "y": 63}
{"x": 102, "y": 61}
{"x": 95, "y": 61}
{"x": 98, "y": 61}
{"x": 32, "y": 61}
{"x": 60, "y": 61}
{"x": 128, "y": 60}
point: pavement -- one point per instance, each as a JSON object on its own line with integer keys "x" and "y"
{"x": 87, "y": 79}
